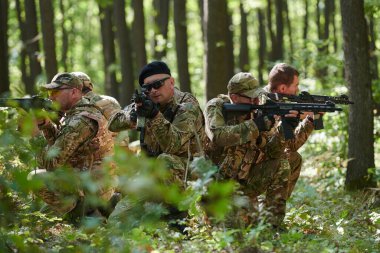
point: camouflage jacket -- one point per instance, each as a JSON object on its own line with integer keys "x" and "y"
{"x": 107, "y": 105}
{"x": 174, "y": 130}
{"x": 81, "y": 141}
{"x": 301, "y": 133}
{"x": 235, "y": 143}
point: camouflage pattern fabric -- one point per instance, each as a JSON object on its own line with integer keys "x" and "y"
{"x": 108, "y": 106}
{"x": 238, "y": 148}
{"x": 291, "y": 159}
{"x": 174, "y": 131}
{"x": 80, "y": 142}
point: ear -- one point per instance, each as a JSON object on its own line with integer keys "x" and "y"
{"x": 172, "y": 81}
{"x": 234, "y": 98}
{"x": 281, "y": 88}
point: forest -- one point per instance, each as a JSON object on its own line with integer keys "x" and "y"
{"x": 335, "y": 206}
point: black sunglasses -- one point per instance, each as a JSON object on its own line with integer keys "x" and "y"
{"x": 156, "y": 84}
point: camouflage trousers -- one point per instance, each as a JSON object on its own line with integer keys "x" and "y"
{"x": 295, "y": 164}
{"x": 65, "y": 195}
{"x": 177, "y": 167}
{"x": 270, "y": 178}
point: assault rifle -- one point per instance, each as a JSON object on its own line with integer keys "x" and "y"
{"x": 140, "y": 124}
{"x": 306, "y": 97}
{"x": 271, "y": 108}
{"x": 34, "y": 102}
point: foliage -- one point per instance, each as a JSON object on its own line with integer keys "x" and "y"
{"x": 321, "y": 217}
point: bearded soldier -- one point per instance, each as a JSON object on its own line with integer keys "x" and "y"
{"x": 239, "y": 143}
{"x": 79, "y": 144}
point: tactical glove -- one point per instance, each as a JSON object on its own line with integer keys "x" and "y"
{"x": 133, "y": 115}
{"x": 291, "y": 121}
{"x": 264, "y": 122}
{"x": 148, "y": 109}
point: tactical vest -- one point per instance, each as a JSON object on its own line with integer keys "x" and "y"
{"x": 236, "y": 161}
{"x": 90, "y": 154}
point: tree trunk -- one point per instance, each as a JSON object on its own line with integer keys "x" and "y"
{"x": 372, "y": 49}
{"x": 122, "y": 34}
{"x": 357, "y": 74}
{"x": 201, "y": 11}
{"x": 279, "y": 49}
{"x": 65, "y": 37}
{"x": 305, "y": 22}
{"x": 138, "y": 31}
{"x": 48, "y": 38}
{"x": 32, "y": 43}
{"x": 272, "y": 35}
{"x": 180, "y": 25}
{"x": 4, "y": 56}
{"x": 216, "y": 67}
{"x": 333, "y": 11}
{"x": 244, "y": 51}
{"x": 229, "y": 41}
{"x": 288, "y": 24}
{"x": 262, "y": 44}
{"x": 23, "y": 55}
{"x": 108, "y": 39}
{"x": 161, "y": 21}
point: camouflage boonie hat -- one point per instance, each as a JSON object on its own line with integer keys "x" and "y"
{"x": 245, "y": 84}
{"x": 85, "y": 79}
{"x": 62, "y": 79}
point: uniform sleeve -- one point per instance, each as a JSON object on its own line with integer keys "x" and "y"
{"x": 78, "y": 130}
{"x": 301, "y": 134}
{"x": 50, "y": 131}
{"x": 121, "y": 120}
{"x": 172, "y": 137}
{"x": 223, "y": 135}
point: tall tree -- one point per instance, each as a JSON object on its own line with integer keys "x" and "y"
{"x": 161, "y": 20}
{"x": 65, "y": 37}
{"x": 272, "y": 34}
{"x": 123, "y": 37}
{"x": 279, "y": 45}
{"x": 32, "y": 43}
{"x": 180, "y": 25}
{"x": 244, "y": 50}
{"x": 4, "y": 65}
{"x": 138, "y": 31}
{"x": 229, "y": 41}
{"x": 289, "y": 27}
{"x": 262, "y": 44}
{"x": 23, "y": 55}
{"x": 216, "y": 67}
{"x": 108, "y": 41}
{"x": 372, "y": 49}
{"x": 48, "y": 38}
{"x": 357, "y": 74}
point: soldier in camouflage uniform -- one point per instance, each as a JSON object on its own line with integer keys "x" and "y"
{"x": 174, "y": 130}
{"x": 107, "y": 104}
{"x": 80, "y": 143}
{"x": 238, "y": 145}
{"x": 284, "y": 79}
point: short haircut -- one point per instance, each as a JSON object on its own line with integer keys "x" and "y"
{"x": 281, "y": 73}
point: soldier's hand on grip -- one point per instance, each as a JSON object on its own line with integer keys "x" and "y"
{"x": 147, "y": 109}
{"x": 264, "y": 122}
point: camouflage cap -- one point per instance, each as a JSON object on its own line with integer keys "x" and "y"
{"x": 85, "y": 79}
{"x": 245, "y": 84}
{"x": 62, "y": 79}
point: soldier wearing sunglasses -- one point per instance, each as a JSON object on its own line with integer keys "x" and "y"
{"x": 172, "y": 126}
{"x": 79, "y": 143}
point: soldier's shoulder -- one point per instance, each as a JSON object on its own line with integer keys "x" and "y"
{"x": 218, "y": 101}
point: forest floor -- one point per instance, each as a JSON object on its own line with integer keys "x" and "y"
{"x": 321, "y": 217}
